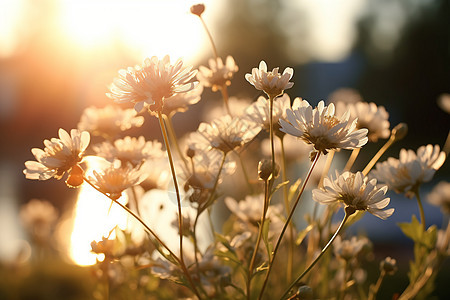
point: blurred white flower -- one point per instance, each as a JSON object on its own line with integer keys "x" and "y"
{"x": 440, "y": 196}
{"x": 405, "y": 174}
{"x": 356, "y": 191}
{"x": 320, "y": 127}
{"x": 38, "y": 218}
{"x": 218, "y": 74}
{"x": 130, "y": 150}
{"x": 249, "y": 212}
{"x": 345, "y": 95}
{"x": 152, "y": 83}
{"x": 272, "y": 82}
{"x": 368, "y": 115}
{"x": 259, "y": 111}
{"x": 293, "y": 150}
{"x": 109, "y": 121}
{"x": 348, "y": 249}
{"x": 180, "y": 102}
{"x": 444, "y": 102}
{"x": 116, "y": 178}
{"x": 225, "y": 134}
{"x": 59, "y": 155}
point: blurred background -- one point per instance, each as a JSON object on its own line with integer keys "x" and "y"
{"x": 57, "y": 57}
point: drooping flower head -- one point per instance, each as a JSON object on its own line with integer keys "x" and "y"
{"x": 321, "y": 128}
{"x": 218, "y": 74}
{"x": 405, "y": 174}
{"x": 259, "y": 111}
{"x": 356, "y": 191}
{"x": 272, "y": 82}
{"x": 59, "y": 155}
{"x": 109, "y": 121}
{"x": 151, "y": 83}
{"x": 370, "y": 116}
{"x": 116, "y": 178}
{"x": 225, "y": 134}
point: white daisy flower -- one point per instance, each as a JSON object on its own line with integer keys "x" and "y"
{"x": 130, "y": 149}
{"x": 116, "y": 178}
{"x": 259, "y": 111}
{"x": 109, "y": 121}
{"x": 59, "y": 155}
{"x": 39, "y": 218}
{"x": 272, "y": 82}
{"x": 225, "y": 134}
{"x": 218, "y": 74}
{"x": 249, "y": 211}
{"x": 152, "y": 82}
{"x": 370, "y": 116}
{"x": 405, "y": 174}
{"x": 356, "y": 191}
{"x": 348, "y": 249}
{"x": 320, "y": 127}
{"x": 440, "y": 196}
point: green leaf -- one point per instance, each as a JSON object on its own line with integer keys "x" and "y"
{"x": 412, "y": 230}
{"x": 294, "y": 188}
{"x": 265, "y": 237}
{"x": 279, "y": 186}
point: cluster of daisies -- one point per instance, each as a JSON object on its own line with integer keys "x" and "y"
{"x": 263, "y": 145}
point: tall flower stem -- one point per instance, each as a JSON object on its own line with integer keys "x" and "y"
{"x": 286, "y": 224}
{"x": 374, "y": 289}
{"x": 173, "y": 138}
{"x": 272, "y": 146}
{"x": 225, "y": 97}
{"x": 213, "y": 45}
{"x": 348, "y": 212}
{"x": 244, "y": 172}
{"x": 258, "y": 239}
{"x": 290, "y": 258}
{"x": 175, "y": 182}
{"x": 422, "y": 214}
{"x": 352, "y": 159}
{"x": 377, "y": 156}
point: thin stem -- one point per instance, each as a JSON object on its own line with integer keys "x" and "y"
{"x": 173, "y": 138}
{"x": 225, "y": 97}
{"x": 290, "y": 258}
{"x": 326, "y": 167}
{"x": 308, "y": 175}
{"x": 374, "y": 289}
{"x": 174, "y": 178}
{"x": 272, "y": 146}
{"x": 348, "y": 213}
{"x": 377, "y": 156}
{"x": 352, "y": 159}
{"x": 180, "y": 216}
{"x": 422, "y": 213}
{"x": 213, "y": 45}
{"x": 258, "y": 239}
{"x": 244, "y": 172}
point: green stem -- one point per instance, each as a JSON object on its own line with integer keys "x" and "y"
{"x": 210, "y": 37}
{"x": 308, "y": 175}
{"x": 377, "y": 156}
{"x": 348, "y": 212}
{"x": 422, "y": 213}
{"x": 374, "y": 289}
{"x": 173, "y": 138}
{"x": 258, "y": 239}
{"x": 180, "y": 216}
{"x": 290, "y": 258}
{"x": 352, "y": 159}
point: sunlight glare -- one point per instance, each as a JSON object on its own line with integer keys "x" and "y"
{"x": 10, "y": 15}
{"x": 92, "y": 221}
{"x": 146, "y": 27}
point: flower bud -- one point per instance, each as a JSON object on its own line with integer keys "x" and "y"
{"x": 399, "y": 131}
{"x": 265, "y": 169}
{"x": 198, "y": 9}
{"x": 190, "y": 152}
{"x": 305, "y": 293}
{"x": 388, "y": 265}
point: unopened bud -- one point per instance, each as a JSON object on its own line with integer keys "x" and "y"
{"x": 265, "y": 169}
{"x": 198, "y": 9}
{"x": 399, "y": 131}
{"x": 389, "y": 265}
{"x": 190, "y": 152}
{"x": 305, "y": 293}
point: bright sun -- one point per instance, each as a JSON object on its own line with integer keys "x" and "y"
{"x": 146, "y": 28}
